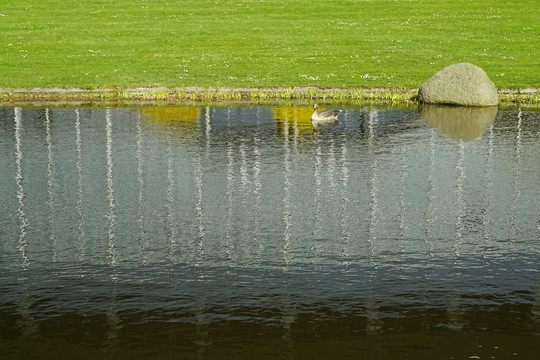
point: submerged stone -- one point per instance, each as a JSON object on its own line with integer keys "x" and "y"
{"x": 459, "y": 84}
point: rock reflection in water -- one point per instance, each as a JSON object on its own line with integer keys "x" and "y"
{"x": 231, "y": 232}
{"x": 458, "y": 122}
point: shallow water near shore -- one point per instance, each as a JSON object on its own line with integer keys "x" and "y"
{"x": 231, "y": 232}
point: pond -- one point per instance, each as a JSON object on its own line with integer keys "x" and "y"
{"x": 231, "y": 232}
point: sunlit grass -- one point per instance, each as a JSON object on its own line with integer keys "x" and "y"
{"x": 243, "y": 43}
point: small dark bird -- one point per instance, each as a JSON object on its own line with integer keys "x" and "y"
{"x": 323, "y": 118}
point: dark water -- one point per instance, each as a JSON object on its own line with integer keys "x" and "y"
{"x": 194, "y": 232}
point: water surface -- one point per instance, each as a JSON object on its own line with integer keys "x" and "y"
{"x": 230, "y": 232}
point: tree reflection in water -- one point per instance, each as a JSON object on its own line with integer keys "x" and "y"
{"x": 232, "y": 231}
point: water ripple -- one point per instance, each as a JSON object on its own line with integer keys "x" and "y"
{"x": 216, "y": 218}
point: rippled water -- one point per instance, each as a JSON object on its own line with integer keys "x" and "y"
{"x": 215, "y": 232}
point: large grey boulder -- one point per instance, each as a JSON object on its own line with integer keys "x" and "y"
{"x": 459, "y": 84}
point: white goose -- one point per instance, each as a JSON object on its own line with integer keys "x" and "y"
{"x": 323, "y": 118}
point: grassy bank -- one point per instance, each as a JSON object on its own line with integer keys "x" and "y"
{"x": 240, "y": 95}
{"x": 273, "y": 43}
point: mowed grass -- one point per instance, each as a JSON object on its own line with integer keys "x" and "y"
{"x": 270, "y": 43}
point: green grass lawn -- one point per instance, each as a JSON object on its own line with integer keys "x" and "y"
{"x": 254, "y": 43}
